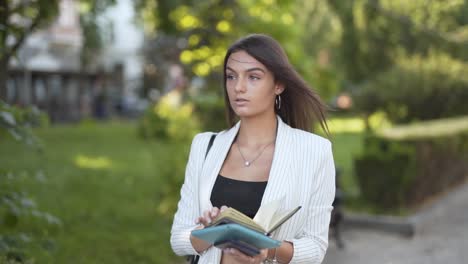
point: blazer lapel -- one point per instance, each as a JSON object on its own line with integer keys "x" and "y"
{"x": 281, "y": 165}
{"x": 213, "y": 163}
{"x": 281, "y": 168}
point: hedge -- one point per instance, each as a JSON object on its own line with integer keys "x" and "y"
{"x": 406, "y": 165}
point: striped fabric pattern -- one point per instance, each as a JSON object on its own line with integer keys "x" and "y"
{"x": 302, "y": 173}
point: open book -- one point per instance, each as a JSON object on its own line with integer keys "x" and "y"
{"x": 234, "y": 229}
{"x": 267, "y": 219}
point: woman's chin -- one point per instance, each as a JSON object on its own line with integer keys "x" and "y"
{"x": 242, "y": 112}
{"x": 242, "y": 115}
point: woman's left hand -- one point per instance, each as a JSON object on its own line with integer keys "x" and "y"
{"x": 243, "y": 258}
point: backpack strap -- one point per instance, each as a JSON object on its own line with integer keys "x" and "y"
{"x": 210, "y": 144}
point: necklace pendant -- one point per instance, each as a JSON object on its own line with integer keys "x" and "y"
{"x": 247, "y": 163}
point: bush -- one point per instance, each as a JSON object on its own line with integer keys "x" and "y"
{"x": 18, "y": 123}
{"x": 406, "y": 165}
{"x": 384, "y": 172}
{"x": 16, "y": 206}
{"x": 170, "y": 184}
{"x": 418, "y": 88}
{"x": 169, "y": 119}
{"x": 211, "y": 112}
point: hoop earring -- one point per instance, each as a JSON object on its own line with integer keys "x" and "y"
{"x": 278, "y": 102}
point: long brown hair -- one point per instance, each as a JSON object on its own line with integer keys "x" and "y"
{"x": 301, "y": 106}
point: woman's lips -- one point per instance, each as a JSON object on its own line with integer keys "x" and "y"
{"x": 240, "y": 102}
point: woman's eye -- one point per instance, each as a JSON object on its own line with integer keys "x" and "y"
{"x": 254, "y": 78}
{"x": 230, "y": 77}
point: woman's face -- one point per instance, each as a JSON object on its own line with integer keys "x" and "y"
{"x": 250, "y": 85}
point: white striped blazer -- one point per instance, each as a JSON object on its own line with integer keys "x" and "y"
{"x": 302, "y": 171}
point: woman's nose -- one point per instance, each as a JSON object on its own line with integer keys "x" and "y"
{"x": 240, "y": 85}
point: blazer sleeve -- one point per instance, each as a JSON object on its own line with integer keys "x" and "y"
{"x": 188, "y": 206}
{"x": 311, "y": 244}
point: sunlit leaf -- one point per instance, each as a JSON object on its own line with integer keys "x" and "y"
{"x": 8, "y": 117}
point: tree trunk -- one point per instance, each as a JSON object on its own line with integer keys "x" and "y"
{"x": 4, "y": 56}
{"x": 3, "y": 78}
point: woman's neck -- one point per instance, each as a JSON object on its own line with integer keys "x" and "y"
{"x": 257, "y": 131}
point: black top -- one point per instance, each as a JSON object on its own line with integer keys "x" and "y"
{"x": 243, "y": 196}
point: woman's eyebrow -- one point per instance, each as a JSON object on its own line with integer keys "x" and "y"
{"x": 248, "y": 70}
{"x": 255, "y": 69}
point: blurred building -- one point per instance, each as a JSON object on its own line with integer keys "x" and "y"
{"x": 47, "y": 72}
{"x": 125, "y": 49}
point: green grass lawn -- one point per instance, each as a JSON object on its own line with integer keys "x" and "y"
{"x": 104, "y": 184}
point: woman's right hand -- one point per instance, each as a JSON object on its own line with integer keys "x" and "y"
{"x": 209, "y": 215}
{"x": 205, "y": 220}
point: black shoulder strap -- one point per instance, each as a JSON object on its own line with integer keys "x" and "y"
{"x": 210, "y": 144}
{"x": 194, "y": 259}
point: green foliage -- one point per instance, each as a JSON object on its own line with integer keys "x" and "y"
{"x": 169, "y": 188}
{"x": 384, "y": 172}
{"x": 409, "y": 164}
{"x": 18, "y": 123}
{"x": 32, "y": 14}
{"x": 202, "y": 31}
{"x": 375, "y": 31}
{"x": 95, "y": 31}
{"x": 16, "y": 205}
{"x": 326, "y": 81}
{"x": 18, "y": 19}
{"x": 18, "y": 210}
{"x": 6, "y": 260}
{"x": 210, "y": 111}
{"x": 441, "y": 152}
{"x": 169, "y": 119}
{"x": 365, "y": 46}
{"x": 419, "y": 88}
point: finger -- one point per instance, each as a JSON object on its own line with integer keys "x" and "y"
{"x": 239, "y": 255}
{"x": 201, "y": 221}
{"x": 214, "y": 212}
{"x": 207, "y": 216}
{"x": 224, "y": 208}
{"x": 263, "y": 253}
{"x": 260, "y": 257}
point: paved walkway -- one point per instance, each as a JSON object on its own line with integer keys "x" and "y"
{"x": 442, "y": 237}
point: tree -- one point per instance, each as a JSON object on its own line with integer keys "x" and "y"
{"x": 379, "y": 35}
{"x": 17, "y": 20}
{"x": 96, "y": 34}
{"x": 375, "y": 31}
{"x": 202, "y": 30}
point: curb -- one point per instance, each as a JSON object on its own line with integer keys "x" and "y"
{"x": 411, "y": 225}
{"x": 391, "y": 224}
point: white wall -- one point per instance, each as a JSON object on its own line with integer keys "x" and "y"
{"x": 128, "y": 38}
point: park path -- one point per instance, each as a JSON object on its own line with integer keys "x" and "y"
{"x": 441, "y": 238}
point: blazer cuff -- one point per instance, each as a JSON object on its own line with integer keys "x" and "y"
{"x": 306, "y": 251}
{"x": 181, "y": 243}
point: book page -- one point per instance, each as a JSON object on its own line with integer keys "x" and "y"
{"x": 231, "y": 215}
{"x": 266, "y": 213}
{"x": 280, "y": 217}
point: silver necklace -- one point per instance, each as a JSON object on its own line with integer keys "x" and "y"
{"x": 247, "y": 163}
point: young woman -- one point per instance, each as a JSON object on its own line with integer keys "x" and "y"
{"x": 268, "y": 153}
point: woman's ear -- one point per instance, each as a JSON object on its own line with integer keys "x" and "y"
{"x": 279, "y": 88}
